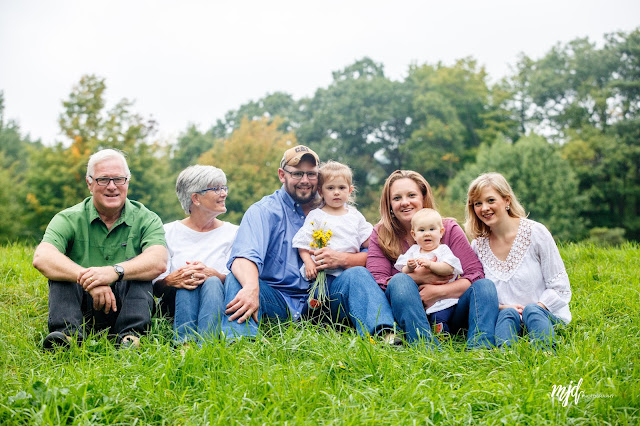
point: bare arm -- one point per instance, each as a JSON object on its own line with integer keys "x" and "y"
{"x": 247, "y": 301}
{"x": 147, "y": 265}
{"x": 55, "y": 265}
{"x": 411, "y": 266}
{"x": 144, "y": 267}
{"x": 366, "y": 243}
{"x": 309, "y": 265}
{"x": 441, "y": 268}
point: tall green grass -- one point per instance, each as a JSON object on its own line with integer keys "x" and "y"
{"x": 304, "y": 373}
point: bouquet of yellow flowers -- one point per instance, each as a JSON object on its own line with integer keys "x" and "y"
{"x": 318, "y": 290}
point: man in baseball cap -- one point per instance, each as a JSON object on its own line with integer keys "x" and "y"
{"x": 265, "y": 279}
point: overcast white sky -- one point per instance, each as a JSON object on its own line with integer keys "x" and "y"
{"x": 191, "y": 61}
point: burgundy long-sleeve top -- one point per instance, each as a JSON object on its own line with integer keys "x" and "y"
{"x": 382, "y": 267}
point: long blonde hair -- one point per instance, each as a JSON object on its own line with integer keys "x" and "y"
{"x": 473, "y": 225}
{"x": 391, "y": 233}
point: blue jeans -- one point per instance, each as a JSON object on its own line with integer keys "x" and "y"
{"x": 199, "y": 312}
{"x": 538, "y": 322}
{"x": 354, "y": 295}
{"x": 476, "y": 312}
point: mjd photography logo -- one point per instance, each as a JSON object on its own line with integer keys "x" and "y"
{"x": 563, "y": 393}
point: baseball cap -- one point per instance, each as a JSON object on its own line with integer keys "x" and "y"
{"x": 292, "y": 156}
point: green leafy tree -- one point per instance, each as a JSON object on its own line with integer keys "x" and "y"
{"x": 12, "y": 208}
{"x": 449, "y": 109}
{"x": 542, "y": 180}
{"x": 14, "y": 162}
{"x": 250, "y": 158}
{"x": 607, "y": 167}
{"x": 282, "y": 105}
{"x": 191, "y": 145}
{"x": 579, "y": 84}
{"x": 57, "y": 177}
{"x": 362, "y": 119}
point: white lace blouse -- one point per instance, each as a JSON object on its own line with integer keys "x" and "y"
{"x": 533, "y": 271}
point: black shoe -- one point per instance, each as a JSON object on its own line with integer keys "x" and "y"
{"x": 56, "y": 339}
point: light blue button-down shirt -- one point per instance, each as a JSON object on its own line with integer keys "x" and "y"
{"x": 265, "y": 237}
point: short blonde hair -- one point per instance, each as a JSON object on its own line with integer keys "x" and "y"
{"x": 473, "y": 225}
{"x": 425, "y": 213}
{"x": 331, "y": 170}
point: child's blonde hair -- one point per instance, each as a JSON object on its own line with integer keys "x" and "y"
{"x": 331, "y": 170}
{"x": 424, "y": 213}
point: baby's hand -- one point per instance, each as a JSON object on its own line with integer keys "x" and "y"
{"x": 425, "y": 263}
{"x": 310, "y": 271}
{"x": 412, "y": 264}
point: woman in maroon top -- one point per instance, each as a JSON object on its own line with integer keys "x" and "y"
{"x": 404, "y": 193}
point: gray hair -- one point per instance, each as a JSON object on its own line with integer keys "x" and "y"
{"x": 195, "y": 179}
{"x": 105, "y": 154}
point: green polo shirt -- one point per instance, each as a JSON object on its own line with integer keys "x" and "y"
{"x": 82, "y": 236}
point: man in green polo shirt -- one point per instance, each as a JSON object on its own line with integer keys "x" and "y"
{"x": 100, "y": 257}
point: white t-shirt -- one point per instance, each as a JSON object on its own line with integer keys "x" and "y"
{"x": 211, "y": 248}
{"x": 349, "y": 231}
{"x": 533, "y": 271}
{"x": 443, "y": 254}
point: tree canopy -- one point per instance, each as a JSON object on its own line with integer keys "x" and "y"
{"x": 563, "y": 128}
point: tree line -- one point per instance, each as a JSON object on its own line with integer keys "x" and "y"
{"x": 563, "y": 128}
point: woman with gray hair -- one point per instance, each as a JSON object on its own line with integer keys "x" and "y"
{"x": 199, "y": 247}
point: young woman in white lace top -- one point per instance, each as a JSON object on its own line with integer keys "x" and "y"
{"x": 520, "y": 256}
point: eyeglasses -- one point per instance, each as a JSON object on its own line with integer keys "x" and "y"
{"x": 104, "y": 181}
{"x": 216, "y": 189}
{"x": 299, "y": 175}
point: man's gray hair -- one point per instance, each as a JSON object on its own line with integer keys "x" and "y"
{"x": 195, "y": 179}
{"x": 105, "y": 154}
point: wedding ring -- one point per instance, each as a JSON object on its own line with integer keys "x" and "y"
{"x": 192, "y": 276}
{"x": 321, "y": 261}
{"x": 90, "y": 279}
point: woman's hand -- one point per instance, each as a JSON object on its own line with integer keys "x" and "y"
{"x": 429, "y": 294}
{"x": 188, "y": 277}
{"x": 196, "y": 267}
{"x": 425, "y": 276}
{"x": 516, "y": 306}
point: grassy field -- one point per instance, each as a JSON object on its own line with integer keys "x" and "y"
{"x": 303, "y": 373}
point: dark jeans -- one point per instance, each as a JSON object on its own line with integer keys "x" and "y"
{"x": 167, "y": 300}
{"x": 442, "y": 317}
{"x": 71, "y": 309}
